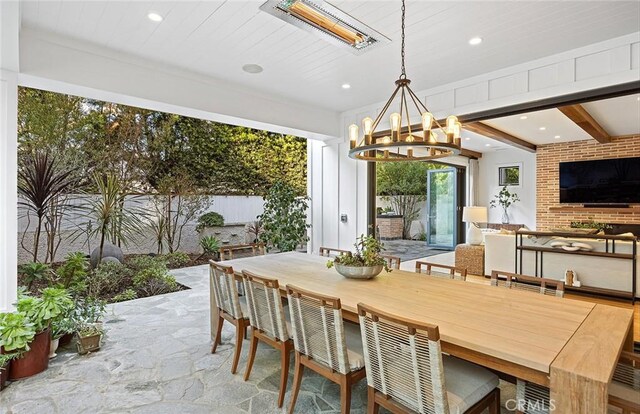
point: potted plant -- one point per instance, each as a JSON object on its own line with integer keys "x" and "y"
{"x": 365, "y": 263}
{"x": 42, "y": 312}
{"x": 504, "y": 199}
{"x": 17, "y": 333}
{"x": 62, "y": 328}
{"x": 5, "y": 360}
{"x": 89, "y": 338}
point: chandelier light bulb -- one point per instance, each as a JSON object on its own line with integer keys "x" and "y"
{"x": 395, "y": 121}
{"x": 456, "y": 130}
{"x": 427, "y": 121}
{"x": 353, "y": 134}
{"x": 367, "y": 125}
{"x": 386, "y": 140}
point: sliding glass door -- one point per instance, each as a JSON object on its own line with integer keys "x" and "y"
{"x": 442, "y": 208}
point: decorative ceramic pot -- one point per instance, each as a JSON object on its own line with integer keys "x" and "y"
{"x": 358, "y": 272}
{"x": 65, "y": 339}
{"x": 35, "y": 360}
{"x": 53, "y": 348}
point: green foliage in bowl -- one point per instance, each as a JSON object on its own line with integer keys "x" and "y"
{"x": 367, "y": 254}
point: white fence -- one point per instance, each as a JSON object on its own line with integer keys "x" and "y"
{"x": 235, "y": 210}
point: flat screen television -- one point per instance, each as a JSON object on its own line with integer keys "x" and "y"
{"x": 612, "y": 181}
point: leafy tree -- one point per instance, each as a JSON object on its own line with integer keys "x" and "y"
{"x": 284, "y": 220}
{"x": 404, "y": 184}
{"x": 43, "y": 185}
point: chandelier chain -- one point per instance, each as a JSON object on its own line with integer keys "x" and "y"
{"x": 404, "y": 73}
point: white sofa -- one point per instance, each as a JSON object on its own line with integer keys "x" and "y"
{"x": 592, "y": 271}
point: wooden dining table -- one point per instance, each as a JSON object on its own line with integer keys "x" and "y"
{"x": 571, "y": 346}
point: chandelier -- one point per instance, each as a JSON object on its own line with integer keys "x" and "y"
{"x": 429, "y": 141}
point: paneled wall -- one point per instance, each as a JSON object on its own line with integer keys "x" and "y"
{"x": 548, "y": 158}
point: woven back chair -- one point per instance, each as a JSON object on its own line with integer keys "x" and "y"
{"x": 227, "y": 252}
{"x": 321, "y": 343}
{"x": 624, "y": 390}
{"x": 407, "y": 372}
{"x": 403, "y": 360}
{"x": 268, "y": 323}
{"x": 331, "y": 251}
{"x": 548, "y": 287}
{"x": 392, "y": 261}
{"x": 406, "y": 369}
{"x": 226, "y": 305}
{"x": 443, "y": 271}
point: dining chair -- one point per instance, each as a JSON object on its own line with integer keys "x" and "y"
{"x": 443, "y": 271}
{"x": 408, "y": 373}
{"x": 229, "y": 305}
{"x": 624, "y": 389}
{"x": 331, "y": 251}
{"x": 323, "y": 343}
{"x": 529, "y": 283}
{"x": 268, "y": 324}
{"x": 392, "y": 261}
{"x": 227, "y": 252}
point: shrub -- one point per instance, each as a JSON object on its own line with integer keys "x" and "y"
{"x": 34, "y": 271}
{"x": 175, "y": 259}
{"x": 154, "y": 279}
{"x": 107, "y": 279}
{"x": 210, "y": 219}
{"x": 284, "y": 219}
{"x": 128, "y": 294}
{"x": 209, "y": 244}
{"x": 74, "y": 270}
{"x": 144, "y": 262}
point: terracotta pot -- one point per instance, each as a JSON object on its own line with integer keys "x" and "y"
{"x": 34, "y": 360}
{"x": 4, "y": 375}
{"x": 89, "y": 344}
{"x": 65, "y": 339}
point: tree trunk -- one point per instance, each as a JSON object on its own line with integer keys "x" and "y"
{"x": 36, "y": 239}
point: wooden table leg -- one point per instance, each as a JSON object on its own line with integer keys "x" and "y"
{"x": 581, "y": 373}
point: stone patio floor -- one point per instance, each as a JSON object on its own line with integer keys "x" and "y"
{"x": 410, "y": 249}
{"x": 156, "y": 359}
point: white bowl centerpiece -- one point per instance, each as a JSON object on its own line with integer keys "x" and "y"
{"x": 365, "y": 263}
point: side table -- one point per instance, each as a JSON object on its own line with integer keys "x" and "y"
{"x": 471, "y": 257}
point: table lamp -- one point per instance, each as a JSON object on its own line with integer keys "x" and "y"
{"x": 473, "y": 216}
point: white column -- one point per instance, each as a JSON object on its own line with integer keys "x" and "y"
{"x": 9, "y": 28}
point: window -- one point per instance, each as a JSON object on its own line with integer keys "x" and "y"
{"x": 509, "y": 175}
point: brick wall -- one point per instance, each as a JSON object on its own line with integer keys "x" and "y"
{"x": 548, "y": 158}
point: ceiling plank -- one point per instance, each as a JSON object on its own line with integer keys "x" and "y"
{"x": 584, "y": 120}
{"x": 470, "y": 153}
{"x": 501, "y": 136}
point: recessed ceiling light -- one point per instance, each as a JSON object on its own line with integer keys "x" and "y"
{"x": 346, "y": 86}
{"x": 154, "y": 17}
{"x": 523, "y": 117}
{"x": 542, "y": 128}
{"x": 487, "y": 145}
{"x": 467, "y": 139}
{"x": 638, "y": 98}
{"x": 252, "y": 68}
{"x": 557, "y": 136}
{"x": 475, "y": 41}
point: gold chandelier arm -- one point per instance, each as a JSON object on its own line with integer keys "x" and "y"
{"x": 417, "y": 102}
{"x": 406, "y": 109}
{"x": 384, "y": 110}
{"x": 415, "y": 97}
